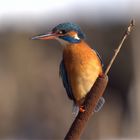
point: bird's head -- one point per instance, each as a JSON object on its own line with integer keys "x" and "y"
{"x": 66, "y": 33}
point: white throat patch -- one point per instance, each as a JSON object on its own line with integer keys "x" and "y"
{"x": 63, "y": 42}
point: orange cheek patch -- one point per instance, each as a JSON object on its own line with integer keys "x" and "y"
{"x": 72, "y": 33}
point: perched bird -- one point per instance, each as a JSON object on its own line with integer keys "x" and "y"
{"x": 80, "y": 66}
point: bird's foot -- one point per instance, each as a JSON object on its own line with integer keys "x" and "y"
{"x": 102, "y": 75}
{"x": 82, "y": 109}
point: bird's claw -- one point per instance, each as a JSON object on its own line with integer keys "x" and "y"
{"x": 82, "y": 109}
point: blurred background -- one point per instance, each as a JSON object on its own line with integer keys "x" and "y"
{"x": 33, "y": 102}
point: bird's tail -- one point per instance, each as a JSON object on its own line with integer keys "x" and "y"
{"x": 99, "y": 104}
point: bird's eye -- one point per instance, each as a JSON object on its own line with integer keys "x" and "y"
{"x": 61, "y": 32}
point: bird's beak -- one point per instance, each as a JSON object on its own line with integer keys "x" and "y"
{"x": 45, "y": 36}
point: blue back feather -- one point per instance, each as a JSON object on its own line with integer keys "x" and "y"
{"x": 63, "y": 74}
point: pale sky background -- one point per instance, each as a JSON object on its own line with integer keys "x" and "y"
{"x": 56, "y": 9}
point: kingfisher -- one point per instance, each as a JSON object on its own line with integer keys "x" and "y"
{"x": 80, "y": 66}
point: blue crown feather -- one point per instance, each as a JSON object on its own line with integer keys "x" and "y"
{"x": 69, "y": 27}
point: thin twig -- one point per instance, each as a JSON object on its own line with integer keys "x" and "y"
{"x": 127, "y": 32}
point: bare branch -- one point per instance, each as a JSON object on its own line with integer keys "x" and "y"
{"x": 93, "y": 96}
{"x": 127, "y": 32}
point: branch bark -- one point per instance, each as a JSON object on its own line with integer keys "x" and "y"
{"x": 79, "y": 123}
{"x": 93, "y": 96}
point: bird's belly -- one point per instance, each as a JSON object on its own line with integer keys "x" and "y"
{"x": 83, "y": 68}
{"x": 83, "y": 79}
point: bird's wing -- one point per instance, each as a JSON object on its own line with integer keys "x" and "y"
{"x": 99, "y": 57}
{"x": 63, "y": 74}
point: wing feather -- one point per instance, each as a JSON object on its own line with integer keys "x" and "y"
{"x": 63, "y": 74}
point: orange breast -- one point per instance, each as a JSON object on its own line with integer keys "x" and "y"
{"x": 83, "y": 68}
